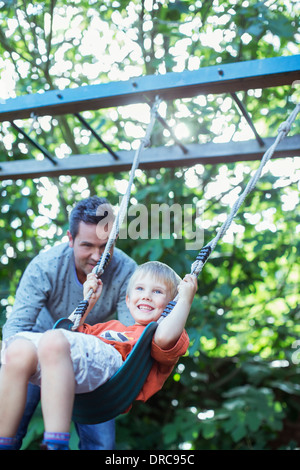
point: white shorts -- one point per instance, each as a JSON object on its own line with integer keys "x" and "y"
{"x": 94, "y": 361}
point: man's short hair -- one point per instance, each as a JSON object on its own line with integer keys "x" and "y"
{"x": 86, "y": 211}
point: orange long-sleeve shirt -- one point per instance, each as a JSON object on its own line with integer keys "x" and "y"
{"x": 124, "y": 338}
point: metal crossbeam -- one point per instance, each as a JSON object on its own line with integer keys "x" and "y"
{"x": 247, "y": 117}
{"x": 34, "y": 143}
{"x": 152, "y": 158}
{"x": 94, "y": 133}
{"x": 224, "y": 78}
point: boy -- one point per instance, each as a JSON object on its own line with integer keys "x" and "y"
{"x": 65, "y": 362}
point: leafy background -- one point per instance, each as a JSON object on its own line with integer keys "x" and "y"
{"x": 238, "y": 386}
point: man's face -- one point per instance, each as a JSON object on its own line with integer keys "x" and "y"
{"x": 88, "y": 247}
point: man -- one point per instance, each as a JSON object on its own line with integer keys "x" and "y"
{"x": 51, "y": 288}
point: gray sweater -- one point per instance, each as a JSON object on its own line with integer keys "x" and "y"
{"x": 49, "y": 289}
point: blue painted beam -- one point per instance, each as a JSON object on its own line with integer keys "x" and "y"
{"x": 223, "y": 78}
{"x": 158, "y": 157}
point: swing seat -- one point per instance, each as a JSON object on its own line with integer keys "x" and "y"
{"x": 117, "y": 394}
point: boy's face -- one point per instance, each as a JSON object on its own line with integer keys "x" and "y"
{"x": 147, "y": 299}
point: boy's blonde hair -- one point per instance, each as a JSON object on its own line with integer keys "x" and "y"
{"x": 161, "y": 272}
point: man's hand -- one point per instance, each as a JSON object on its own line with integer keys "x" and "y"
{"x": 92, "y": 282}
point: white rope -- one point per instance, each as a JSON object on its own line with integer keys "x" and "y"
{"x": 98, "y": 269}
{"x": 197, "y": 266}
{"x": 125, "y": 200}
{"x": 283, "y": 130}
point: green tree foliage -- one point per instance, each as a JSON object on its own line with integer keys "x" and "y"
{"x": 238, "y": 386}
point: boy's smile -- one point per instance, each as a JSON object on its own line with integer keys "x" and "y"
{"x": 145, "y": 307}
{"x": 147, "y": 299}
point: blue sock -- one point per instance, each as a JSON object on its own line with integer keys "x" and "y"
{"x": 7, "y": 443}
{"x": 56, "y": 440}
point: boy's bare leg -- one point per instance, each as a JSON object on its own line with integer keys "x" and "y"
{"x": 57, "y": 381}
{"x": 20, "y": 363}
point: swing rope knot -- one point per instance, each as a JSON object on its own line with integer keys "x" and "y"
{"x": 81, "y": 308}
{"x": 204, "y": 253}
{"x": 201, "y": 259}
{"x": 146, "y": 142}
{"x": 168, "y": 308}
{"x": 98, "y": 269}
{"x": 284, "y": 127}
